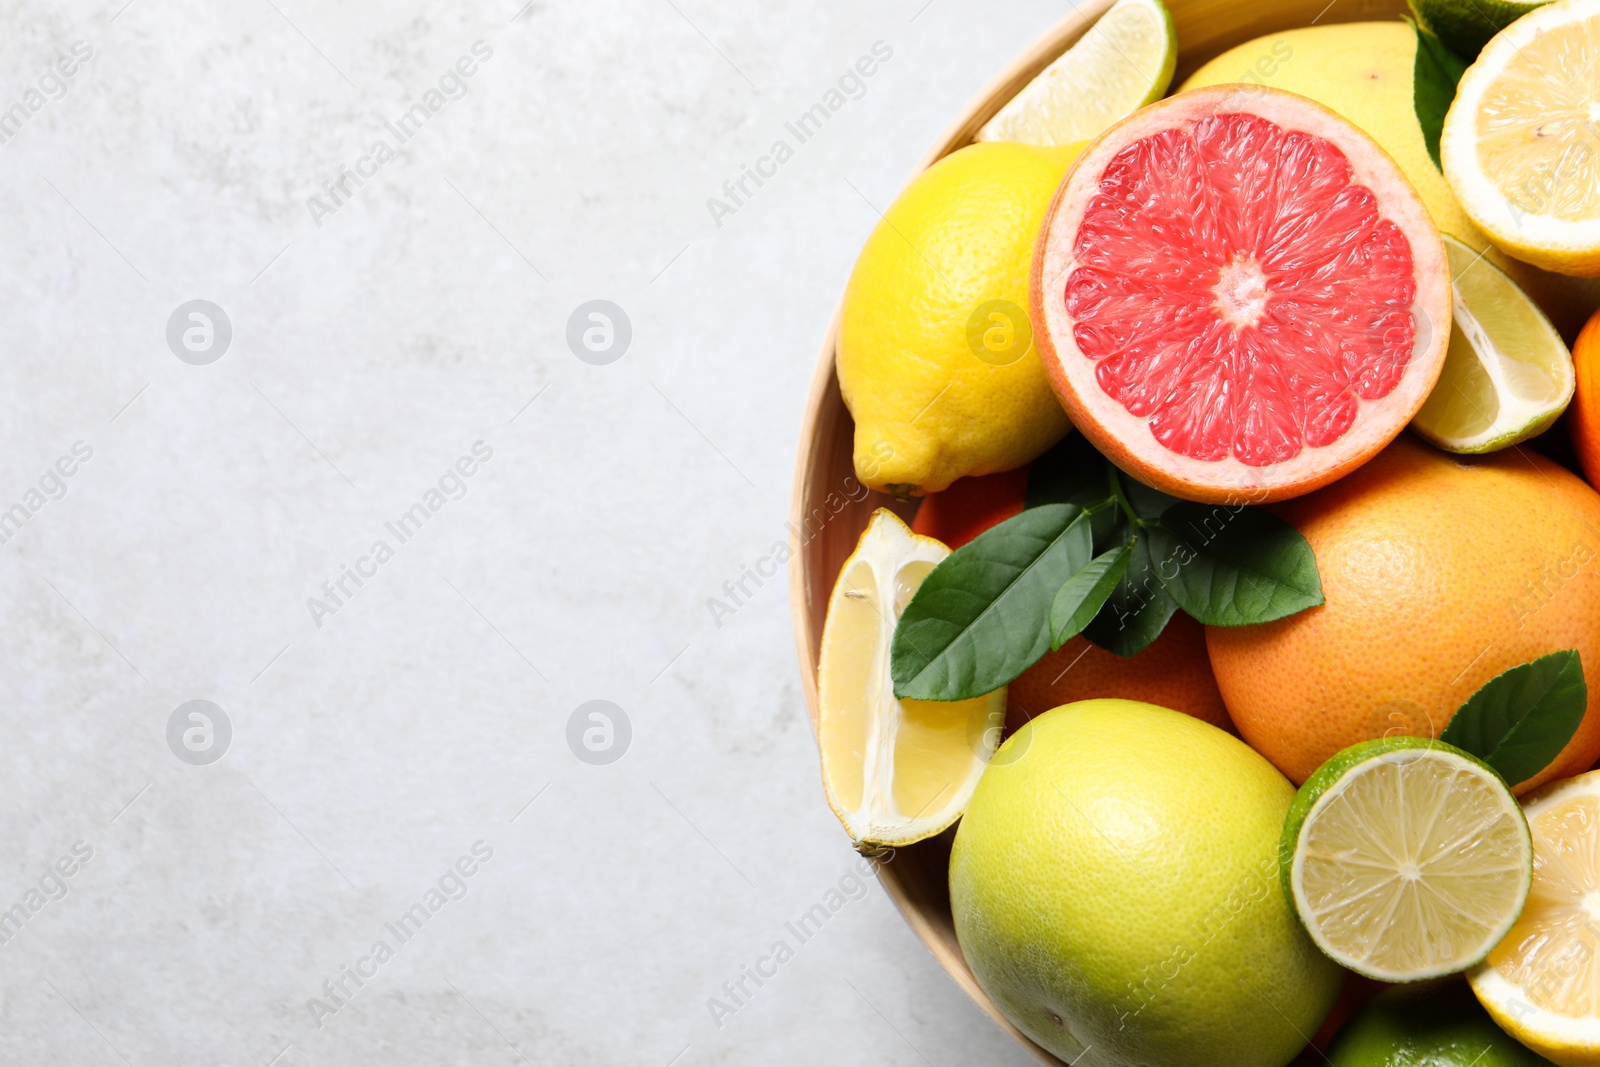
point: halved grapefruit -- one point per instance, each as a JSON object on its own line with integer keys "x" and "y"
{"x": 1238, "y": 296}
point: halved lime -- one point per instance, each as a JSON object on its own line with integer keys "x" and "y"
{"x": 1406, "y": 858}
{"x": 1507, "y": 374}
{"x": 1122, "y": 63}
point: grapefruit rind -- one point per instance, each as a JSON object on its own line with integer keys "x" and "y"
{"x": 1126, "y": 439}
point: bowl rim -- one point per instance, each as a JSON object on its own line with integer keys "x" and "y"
{"x": 1210, "y": 27}
{"x": 958, "y": 134}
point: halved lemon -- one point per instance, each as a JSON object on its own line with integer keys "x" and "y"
{"x": 1122, "y": 63}
{"x": 1521, "y": 143}
{"x": 1406, "y": 858}
{"x": 1507, "y": 374}
{"x": 895, "y": 771}
{"x": 1542, "y": 983}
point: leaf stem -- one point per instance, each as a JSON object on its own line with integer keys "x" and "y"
{"x": 1121, "y": 499}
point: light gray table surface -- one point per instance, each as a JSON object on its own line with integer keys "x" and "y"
{"x": 359, "y": 745}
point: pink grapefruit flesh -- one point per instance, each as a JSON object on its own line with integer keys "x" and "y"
{"x": 1238, "y": 296}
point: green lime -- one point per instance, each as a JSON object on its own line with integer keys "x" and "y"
{"x": 1122, "y": 63}
{"x": 1507, "y": 374}
{"x": 1431, "y": 1024}
{"x": 1406, "y": 858}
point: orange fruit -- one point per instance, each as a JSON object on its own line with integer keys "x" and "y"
{"x": 1439, "y": 572}
{"x": 970, "y": 506}
{"x": 1584, "y": 415}
{"x": 1173, "y": 672}
{"x": 1238, "y": 296}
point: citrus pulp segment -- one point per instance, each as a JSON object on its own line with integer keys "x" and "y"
{"x": 1238, "y": 296}
{"x": 1406, "y": 858}
{"x": 895, "y": 771}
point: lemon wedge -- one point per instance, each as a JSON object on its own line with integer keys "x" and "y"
{"x": 1521, "y": 143}
{"x": 1507, "y": 374}
{"x": 1542, "y": 983}
{"x": 1123, "y": 62}
{"x": 895, "y": 771}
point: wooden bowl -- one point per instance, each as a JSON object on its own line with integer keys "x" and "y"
{"x": 829, "y": 511}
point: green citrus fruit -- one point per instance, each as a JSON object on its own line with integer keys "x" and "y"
{"x": 1406, "y": 858}
{"x": 1430, "y": 1024}
{"x": 1114, "y": 884}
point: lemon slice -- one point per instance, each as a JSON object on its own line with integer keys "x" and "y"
{"x": 1406, "y": 858}
{"x": 1507, "y": 374}
{"x": 1521, "y": 143}
{"x": 895, "y": 771}
{"x": 1542, "y": 983}
{"x": 1122, "y": 63}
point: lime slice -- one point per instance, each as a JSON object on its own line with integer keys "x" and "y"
{"x": 1521, "y": 142}
{"x": 1467, "y": 25}
{"x": 895, "y": 771}
{"x": 1122, "y": 63}
{"x": 1507, "y": 375}
{"x": 1406, "y": 858}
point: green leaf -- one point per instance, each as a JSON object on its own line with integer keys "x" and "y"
{"x": 1465, "y": 27}
{"x": 1149, "y": 504}
{"x": 1232, "y": 566}
{"x": 1522, "y": 719}
{"x": 1081, "y": 597}
{"x": 981, "y": 617}
{"x": 1137, "y": 610}
{"x": 1434, "y": 77}
{"x": 1072, "y": 472}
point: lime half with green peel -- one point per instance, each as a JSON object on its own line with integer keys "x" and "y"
{"x": 1507, "y": 374}
{"x": 1429, "y": 1024}
{"x": 1406, "y": 858}
{"x": 1123, "y": 62}
{"x": 1467, "y": 25}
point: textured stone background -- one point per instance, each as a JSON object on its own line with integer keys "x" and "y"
{"x": 371, "y": 348}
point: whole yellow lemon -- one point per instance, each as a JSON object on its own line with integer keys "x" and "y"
{"x": 936, "y": 357}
